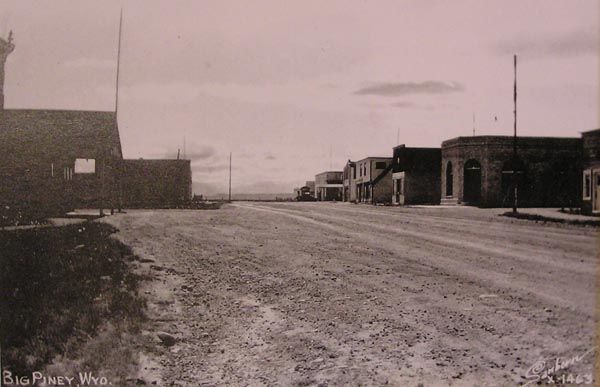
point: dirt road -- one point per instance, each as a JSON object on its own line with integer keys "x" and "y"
{"x": 339, "y": 294}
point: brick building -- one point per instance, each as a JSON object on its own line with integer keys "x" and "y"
{"x": 328, "y": 186}
{"x": 416, "y": 175}
{"x": 478, "y": 170}
{"x": 156, "y": 183}
{"x": 373, "y": 183}
{"x": 591, "y": 172}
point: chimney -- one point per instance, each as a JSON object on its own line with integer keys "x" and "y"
{"x": 6, "y": 47}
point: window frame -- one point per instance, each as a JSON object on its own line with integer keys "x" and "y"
{"x": 587, "y": 190}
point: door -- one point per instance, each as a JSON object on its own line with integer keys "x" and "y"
{"x": 472, "y": 187}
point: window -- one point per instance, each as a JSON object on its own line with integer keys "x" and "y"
{"x": 68, "y": 173}
{"x": 85, "y": 166}
{"x": 587, "y": 184}
{"x": 354, "y": 172}
{"x": 380, "y": 165}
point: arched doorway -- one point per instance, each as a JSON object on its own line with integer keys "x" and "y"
{"x": 449, "y": 179}
{"x": 472, "y": 189}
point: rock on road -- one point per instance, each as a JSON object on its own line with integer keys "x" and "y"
{"x": 339, "y": 294}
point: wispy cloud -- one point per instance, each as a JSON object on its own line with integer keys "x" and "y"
{"x": 200, "y": 152}
{"x": 411, "y": 105}
{"x": 569, "y": 45}
{"x": 392, "y": 89}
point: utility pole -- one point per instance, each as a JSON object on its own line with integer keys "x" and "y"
{"x": 230, "y": 177}
{"x": 514, "y": 176}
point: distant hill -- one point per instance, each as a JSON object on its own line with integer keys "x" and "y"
{"x": 252, "y": 196}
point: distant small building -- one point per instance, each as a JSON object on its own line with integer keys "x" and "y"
{"x": 349, "y": 195}
{"x": 311, "y": 187}
{"x": 328, "y": 186}
{"x": 156, "y": 183}
{"x": 478, "y": 170}
{"x": 416, "y": 175}
{"x": 591, "y": 172}
{"x": 373, "y": 182}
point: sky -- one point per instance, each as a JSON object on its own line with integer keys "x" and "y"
{"x": 294, "y": 88}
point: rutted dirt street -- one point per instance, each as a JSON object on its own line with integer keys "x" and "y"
{"x": 339, "y": 294}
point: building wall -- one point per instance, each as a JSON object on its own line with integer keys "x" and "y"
{"x": 422, "y": 168}
{"x": 382, "y": 189}
{"x": 591, "y": 172}
{"x": 156, "y": 183}
{"x": 348, "y": 194}
{"x": 551, "y": 176}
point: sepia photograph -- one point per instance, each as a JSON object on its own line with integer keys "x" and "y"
{"x": 299, "y": 193}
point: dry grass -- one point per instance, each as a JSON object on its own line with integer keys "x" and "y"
{"x": 69, "y": 301}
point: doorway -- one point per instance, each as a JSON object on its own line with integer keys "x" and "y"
{"x": 472, "y": 188}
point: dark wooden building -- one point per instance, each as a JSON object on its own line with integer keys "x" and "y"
{"x": 478, "y": 171}
{"x": 52, "y": 161}
{"x": 416, "y": 175}
{"x": 156, "y": 183}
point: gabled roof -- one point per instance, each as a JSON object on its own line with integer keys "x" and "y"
{"x": 49, "y": 134}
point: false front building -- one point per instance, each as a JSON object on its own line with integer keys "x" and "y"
{"x": 328, "y": 186}
{"x": 416, "y": 175}
{"x": 478, "y": 170}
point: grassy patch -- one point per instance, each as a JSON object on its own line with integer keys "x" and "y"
{"x": 541, "y": 218}
{"x": 68, "y": 300}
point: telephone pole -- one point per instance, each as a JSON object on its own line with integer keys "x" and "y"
{"x": 230, "y": 177}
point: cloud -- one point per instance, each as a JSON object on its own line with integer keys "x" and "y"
{"x": 567, "y": 45}
{"x": 411, "y": 105}
{"x": 391, "y": 89}
{"x": 200, "y": 152}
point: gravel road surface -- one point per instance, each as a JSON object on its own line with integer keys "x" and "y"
{"x": 340, "y": 294}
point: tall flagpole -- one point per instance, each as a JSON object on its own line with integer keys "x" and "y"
{"x": 119, "y": 165}
{"x": 515, "y": 141}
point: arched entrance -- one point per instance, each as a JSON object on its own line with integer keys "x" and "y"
{"x": 449, "y": 179}
{"x": 472, "y": 188}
